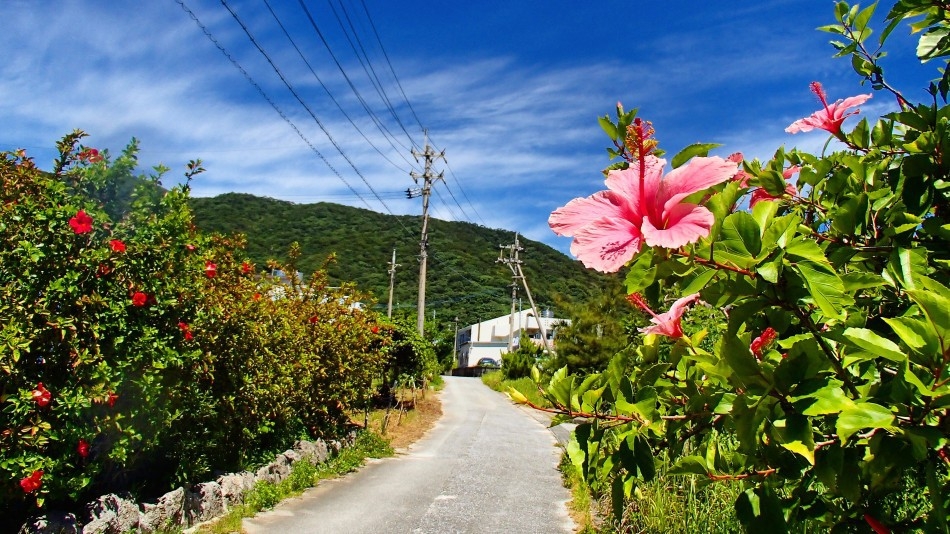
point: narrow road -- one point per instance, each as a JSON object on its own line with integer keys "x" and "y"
{"x": 487, "y": 466}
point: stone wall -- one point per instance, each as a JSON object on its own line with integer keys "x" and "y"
{"x": 181, "y": 508}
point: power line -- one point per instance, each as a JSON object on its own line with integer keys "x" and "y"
{"x": 273, "y": 104}
{"x": 337, "y": 103}
{"x": 367, "y": 66}
{"x": 293, "y": 91}
{"x": 356, "y": 92}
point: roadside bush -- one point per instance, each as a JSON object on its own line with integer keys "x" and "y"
{"x": 136, "y": 353}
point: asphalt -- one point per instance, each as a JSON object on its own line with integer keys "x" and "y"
{"x": 487, "y": 466}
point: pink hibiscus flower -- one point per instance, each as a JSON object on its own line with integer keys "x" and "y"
{"x": 666, "y": 324}
{"x": 640, "y": 206}
{"x": 831, "y": 116}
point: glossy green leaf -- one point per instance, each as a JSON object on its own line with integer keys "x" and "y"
{"x": 863, "y": 416}
{"x": 873, "y": 342}
{"x": 697, "y": 149}
{"x": 739, "y": 241}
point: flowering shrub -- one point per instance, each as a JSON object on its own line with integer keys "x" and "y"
{"x": 826, "y": 393}
{"x": 136, "y": 352}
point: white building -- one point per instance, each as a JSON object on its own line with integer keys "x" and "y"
{"x": 491, "y": 339}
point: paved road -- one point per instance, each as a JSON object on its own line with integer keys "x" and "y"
{"x": 486, "y": 467}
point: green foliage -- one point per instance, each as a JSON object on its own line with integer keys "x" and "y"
{"x": 818, "y": 382}
{"x": 600, "y": 327}
{"x": 463, "y": 279}
{"x": 136, "y": 354}
{"x": 518, "y": 363}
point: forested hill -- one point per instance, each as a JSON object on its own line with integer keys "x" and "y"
{"x": 464, "y": 280}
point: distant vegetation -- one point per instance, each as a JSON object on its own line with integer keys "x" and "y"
{"x": 463, "y": 280}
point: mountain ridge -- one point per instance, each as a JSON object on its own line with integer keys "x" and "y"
{"x": 464, "y": 279}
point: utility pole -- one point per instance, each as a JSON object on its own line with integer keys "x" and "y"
{"x": 514, "y": 263}
{"x": 392, "y": 279}
{"x": 428, "y": 155}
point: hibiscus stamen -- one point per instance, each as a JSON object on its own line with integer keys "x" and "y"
{"x": 819, "y": 92}
{"x": 637, "y": 300}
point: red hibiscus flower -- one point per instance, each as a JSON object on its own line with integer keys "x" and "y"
{"x": 83, "y": 448}
{"x": 257, "y": 296}
{"x": 112, "y": 398}
{"x": 211, "y": 269}
{"x": 117, "y": 245}
{"x": 139, "y": 299}
{"x": 32, "y": 482}
{"x": 81, "y": 223}
{"x": 42, "y": 396}
{"x": 314, "y": 319}
{"x": 246, "y": 268}
{"x": 763, "y": 341}
{"x": 375, "y": 329}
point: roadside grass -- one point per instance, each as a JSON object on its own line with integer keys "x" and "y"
{"x": 525, "y": 386}
{"x": 303, "y": 475}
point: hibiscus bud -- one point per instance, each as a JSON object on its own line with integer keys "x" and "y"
{"x": 763, "y": 341}
{"x": 83, "y": 448}
{"x": 112, "y": 398}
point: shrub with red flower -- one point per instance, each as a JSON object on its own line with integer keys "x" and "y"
{"x": 211, "y": 269}
{"x": 81, "y": 223}
{"x": 246, "y": 268}
{"x": 41, "y": 396}
{"x": 33, "y": 482}
{"x": 111, "y": 398}
{"x": 117, "y": 245}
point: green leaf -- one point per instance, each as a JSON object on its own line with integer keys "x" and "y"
{"x": 871, "y": 341}
{"x": 689, "y": 465}
{"x": 644, "y": 457}
{"x": 697, "y": 149}
{"x": 795, "y": 434}
{"x": 915, "y": 332}
{"x": 739, "y": 240}
{"x": 830, "y": 399}
{"x": 826, "y": 289}
{"x": 608, "y": 126}
{"x": 936, "y": 307}
{"x": 641, "y": 272}
{"x": 760, "y": 510}
{"x": 861, "y": 416}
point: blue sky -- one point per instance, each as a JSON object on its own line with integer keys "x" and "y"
{"x": 510, "y": 90}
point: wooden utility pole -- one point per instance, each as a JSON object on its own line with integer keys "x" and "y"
{"x": 392, "y": 279}
{"x": 428, "y": 155}
{"x": 514, "y": 263}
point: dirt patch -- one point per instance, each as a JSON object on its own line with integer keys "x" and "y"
{"x": 410, "y": 420}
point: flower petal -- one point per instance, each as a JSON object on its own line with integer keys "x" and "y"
{"x": 700, "y": 173}
{"x": 687, "y": 223}
{"x": 607, "y": 244}
{"x": 580, "y": 212}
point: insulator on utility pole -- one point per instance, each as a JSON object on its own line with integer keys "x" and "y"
{"x": 428, "y": 155}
